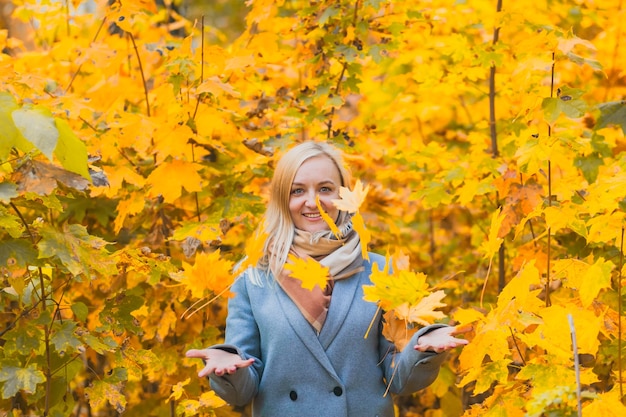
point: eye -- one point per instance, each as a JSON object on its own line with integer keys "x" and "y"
{"x": 297, "y": 191}
{"x": 326, "y": 189}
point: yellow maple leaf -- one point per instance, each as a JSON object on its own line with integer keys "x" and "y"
{"x": 253, "y": 250}
{"x": 309, "y": 271}
{"x": 492, "y": 245}
{"x": 169, "y": 178}
{"x": 330, "y": 222}
{"x": 396, "y": 330}
{"x": 208, "y": 273}
{"x": 391, "y": 291}
{"x": 359, "y": 226}
{"x": 424, "y": 312}
{"x": 351, "y": 200}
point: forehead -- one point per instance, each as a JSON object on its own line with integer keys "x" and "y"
{"x": 318, "y": 169}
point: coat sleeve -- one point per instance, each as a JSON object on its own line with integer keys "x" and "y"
{"x": 410, "y": 370}
{"x": 242, "y": 338}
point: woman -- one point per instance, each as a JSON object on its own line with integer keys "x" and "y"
{"x": 294, "y": 352}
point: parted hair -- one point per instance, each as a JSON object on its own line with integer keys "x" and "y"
{"x": 277, "y": 223}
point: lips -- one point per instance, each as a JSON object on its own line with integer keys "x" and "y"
{"x": 311, "y": 215}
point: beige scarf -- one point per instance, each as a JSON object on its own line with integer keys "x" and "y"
{"x": 342, "y": 257}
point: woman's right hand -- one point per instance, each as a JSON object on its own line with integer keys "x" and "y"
{"x": 218, "y": 361}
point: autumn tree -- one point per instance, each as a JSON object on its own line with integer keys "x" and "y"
{"x": 487, "y": 137}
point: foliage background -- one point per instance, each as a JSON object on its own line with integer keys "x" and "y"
{"x": 137, "y": 144}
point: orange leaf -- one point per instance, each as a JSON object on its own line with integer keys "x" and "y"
{"x": 209, "y": 273}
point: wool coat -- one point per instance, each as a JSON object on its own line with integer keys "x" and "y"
{"x": 298, "y": 373}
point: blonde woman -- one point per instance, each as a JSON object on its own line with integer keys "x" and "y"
{"x": 293, "y": 352}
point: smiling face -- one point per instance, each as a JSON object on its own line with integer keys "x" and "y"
{"x": 316, "y": 176}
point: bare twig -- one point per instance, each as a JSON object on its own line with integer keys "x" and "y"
{"x": 143, "y": 78}
{"x": 572, "y": 330}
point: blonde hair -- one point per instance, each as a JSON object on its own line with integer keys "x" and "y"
{"x": 278, "y": 224}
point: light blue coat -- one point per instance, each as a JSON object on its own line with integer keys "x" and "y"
{"x": 297, "y": 373}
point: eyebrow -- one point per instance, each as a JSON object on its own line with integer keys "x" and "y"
{"x": 319, "y": 183}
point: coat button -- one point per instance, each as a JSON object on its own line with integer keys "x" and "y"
{"x": 293, "y": 395}
{"x": 337, "y": 391}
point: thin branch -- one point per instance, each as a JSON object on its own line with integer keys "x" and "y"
{"x": 619, "y": 316}
{"x": 201, "y": 68}
{"x": 143, "y": 78}
{"x": 572, "y": 330}
{"x": 81, "y": 65}
{"x": 519, "y": 352}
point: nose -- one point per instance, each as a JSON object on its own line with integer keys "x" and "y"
{"x": 310, "y": 199}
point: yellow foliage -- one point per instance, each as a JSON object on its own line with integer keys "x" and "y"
{"x": 309, "y": 271}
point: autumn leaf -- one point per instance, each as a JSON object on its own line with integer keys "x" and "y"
{"x": 424, "y": 311}
{"x": 492, "y": 245}
{"x": 393, "y": 290}
{"x": 209, "y": 273}
{"x": 351, "y": 200}
{"x": 254, "y": 249}
{"x": 395, "y": 329}
{"x": 18, "y": 379}
{"x": 169, "y": 178}
{"x": 365, "y": 235}
{"x": 330, "y": 222}
{"x": 309, "y": 271}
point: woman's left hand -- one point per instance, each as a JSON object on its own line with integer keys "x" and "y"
{"x": 440, "y": 340}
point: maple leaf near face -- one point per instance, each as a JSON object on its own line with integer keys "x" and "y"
{"x": 309, "y": 271}
{"x": 351, "y": 200}
{"x": 330, "y": 222}
{"x": 254, "y": 249}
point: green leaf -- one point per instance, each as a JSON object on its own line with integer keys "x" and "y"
{"x": 24, "y": 340}
{"x": 8, "y": 134}
{"x": 18, "y": 379}
{"x": 20, "y": 251}
{"x": 80, "y": 310}
{"x": 8, "y": 190}
{"x": 70, "y": 150}
{"x": 10, "y": 223}
{"x": 589, "y": 165}
{"x": 64, "y": 338}
{"x": 37, "y": 125}
{"x": 99, "y": 345}
{"x": 568, "y": 102}
{"x": 612, "y": 113}
{"x": 77, "y": 250}
{"x": 433, "y": 194}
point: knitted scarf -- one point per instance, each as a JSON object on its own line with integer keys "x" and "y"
{"x": 342, "y": 257}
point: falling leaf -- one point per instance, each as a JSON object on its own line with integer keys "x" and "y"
{"x": 309, "y": 271}
{"x": 330, "y": 222}
{"x": 254, "y": 249}
{"x": 365, "y": 235}
{"x": 351, "y": 201}
{"x": 209, "y": 273}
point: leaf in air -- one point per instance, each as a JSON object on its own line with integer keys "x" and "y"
{"x": 254, "y": 249}
{"x": 309, "y": 271}
{"x": 365, "y": 235}
{"x": 391, "y": 291}
{"x": 351, "y": 200}
{"x": 36, "y": 125}
{"x": 18, "y": 379}
{"x": 209, "y": 273}
{"x": 330, "y": 222}
{"x": 70, "y": 150}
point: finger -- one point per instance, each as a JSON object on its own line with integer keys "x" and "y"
{"x": 197, "y": 353}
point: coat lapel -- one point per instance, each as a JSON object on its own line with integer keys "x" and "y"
{"x": 303, "y": 329}
{"x": 340, "y": 304}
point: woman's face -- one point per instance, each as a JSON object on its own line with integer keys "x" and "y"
{"x": 316, "y": 176}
